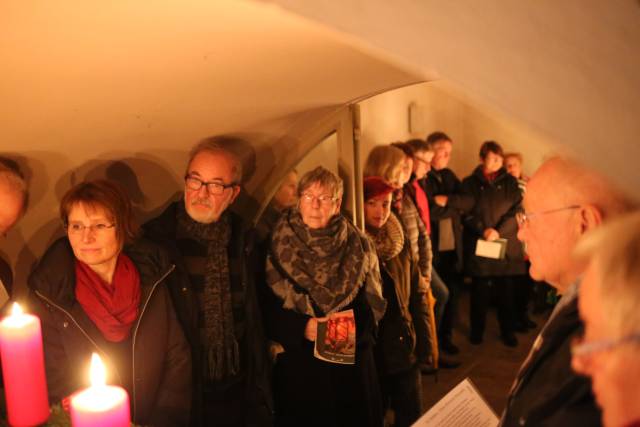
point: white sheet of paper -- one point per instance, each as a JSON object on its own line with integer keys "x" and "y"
{"x": 461, "y": 407}
{"x": 491, "y": 249}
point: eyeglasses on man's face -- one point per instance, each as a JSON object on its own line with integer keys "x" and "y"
{"x": 421, "y": 160}
{"x": 323, "y": 199}
{"x": 583, "y": 349}
{"x": 213, "y": 187}
{"x": 524, "y": 218}
{"x": 77, "y": 228}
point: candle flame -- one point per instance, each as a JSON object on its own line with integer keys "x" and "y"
{"x": 97, "y": 372}
{"x": 16, "y": 310}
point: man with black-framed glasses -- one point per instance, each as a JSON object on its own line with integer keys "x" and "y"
{"x": 212, "y": 248}
{"x": 564, "y": 200}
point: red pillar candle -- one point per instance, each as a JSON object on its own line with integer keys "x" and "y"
{"x": 100, "y": 405}
{"x": 25, "y": 383}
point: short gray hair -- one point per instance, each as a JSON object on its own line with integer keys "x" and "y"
{"x": 323, "y": 177}
{"x": 12, "y": 177}
{"x": 615, "y": 250}
{"x": 220, "y": 145}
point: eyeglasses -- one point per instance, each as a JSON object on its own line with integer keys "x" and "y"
{"x": 420, "y": 159}
{"x": 324, "y": 200}
{"x": 581, "y": 348}
{"x": 213, "y": 187}
{"x": 524, "y": 218}
{"x": 78, "y": 228}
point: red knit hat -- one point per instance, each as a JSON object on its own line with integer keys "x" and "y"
{"x": 375, "y": 186}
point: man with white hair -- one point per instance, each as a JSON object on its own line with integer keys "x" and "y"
{"x": 610, "y": 308}
{"x": 563, "y": 201}
{"x": 13, "y": 196}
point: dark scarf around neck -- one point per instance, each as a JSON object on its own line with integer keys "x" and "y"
{"x": 221, "y": 353}
{"x": 323, "y": 268}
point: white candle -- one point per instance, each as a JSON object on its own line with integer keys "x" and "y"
{"x": 100, "y": 405}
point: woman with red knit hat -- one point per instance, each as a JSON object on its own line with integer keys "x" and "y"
{"x": 404, "y": 327}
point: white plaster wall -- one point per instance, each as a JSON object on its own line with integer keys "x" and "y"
{"x": 123, "y": 89}
{"x": 568, "y": 69}
{"x": 385, "y": 119}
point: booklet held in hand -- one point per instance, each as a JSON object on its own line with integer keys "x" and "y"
{"x": 336, "y": 339}
{"x": 494, "y": 249}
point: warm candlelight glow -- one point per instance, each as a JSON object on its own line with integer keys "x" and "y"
{"x": 97, "y": 372}
{"x": 17, "y": 318}
{"x": 100, "y": 405}
{"x": 16, "y": 310}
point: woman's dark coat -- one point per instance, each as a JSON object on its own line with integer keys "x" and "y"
{"x": 404, "y": 328}
{"x": 160, "y": 393}
{"x": 307, "y": 388}
{"x": 494, "y": 206}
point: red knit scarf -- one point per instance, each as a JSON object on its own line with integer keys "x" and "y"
{"x": 423, "y": 205}
{"x": 490, "y": 176}
{"x": 112, "y": 307}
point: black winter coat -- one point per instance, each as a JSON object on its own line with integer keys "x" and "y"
{"x": 445, "y": 182}
{"x": 160, "y": 392}
{"x": 312, "y": 392}
{"x": 547, "y": 391}
{"x": 494, "y": 206}
{"x": 242, "y": 261}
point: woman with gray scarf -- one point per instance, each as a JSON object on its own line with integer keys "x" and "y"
{"x": 318, "y": 265}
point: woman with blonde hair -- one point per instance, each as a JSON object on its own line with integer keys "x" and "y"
{"x": 394, "y": 164}
{"x": 386, "y": 161}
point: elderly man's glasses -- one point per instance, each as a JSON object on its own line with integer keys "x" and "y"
{"x": 582, "y": 348}
{"x": 213, "y": 187}
{"x": 525, "y": 218}
{"x": 421, "y": 160}
{"x": 325, "y": 200}
{"x": 77, "y": 228}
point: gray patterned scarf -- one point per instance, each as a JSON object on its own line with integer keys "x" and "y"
{"x": 221, "y": 354}
{"x": 322, "y": 267}
{"x": 389, "y": 239}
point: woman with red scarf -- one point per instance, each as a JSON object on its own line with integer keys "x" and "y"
{"x": 496, "y": 199}
{"x": 99, "y": 289}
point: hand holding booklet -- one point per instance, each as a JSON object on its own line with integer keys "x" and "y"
{"x": 336, "y": 338}
{"x": 461, "y": 407}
